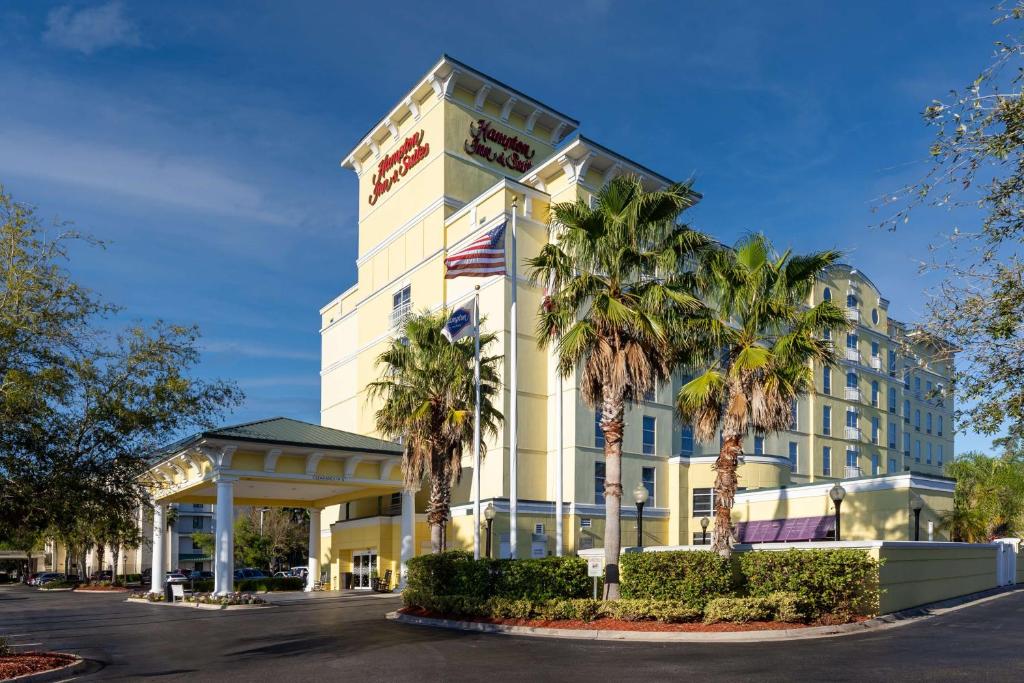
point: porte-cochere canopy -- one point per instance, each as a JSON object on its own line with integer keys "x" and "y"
{"x": 279, "y": 462}
{"x": 276, "y": 462}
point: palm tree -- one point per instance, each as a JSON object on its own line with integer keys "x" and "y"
{"x": 618, "y": 282}
{"x": 427, "y": 399}
{"x": 988, "y": 501}
{"x": 759, "y": 339}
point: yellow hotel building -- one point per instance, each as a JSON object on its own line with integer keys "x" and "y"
{"x": 449, "y": 162}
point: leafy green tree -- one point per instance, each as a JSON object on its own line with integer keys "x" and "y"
{"x": 81, "y": 406}
{"x": 977, "y": 175}
{"x": 426, "y": 395}
{"x": 760, "y": 339}
{"x": 988, "y": 501}
{"x": 619, "y": 283}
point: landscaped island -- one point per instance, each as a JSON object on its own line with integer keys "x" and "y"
{"x": 684, "y": 588}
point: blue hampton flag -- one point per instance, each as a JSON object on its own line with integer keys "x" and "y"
{"x": 460, "y": 323}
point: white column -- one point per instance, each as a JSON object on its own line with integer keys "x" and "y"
{"x": 408, "y": 537}
{"x": 314, "y": 548}
{"x": 156, "y": 582}
{"x": 224, "y": 552}
{"x": 172, "y": 550}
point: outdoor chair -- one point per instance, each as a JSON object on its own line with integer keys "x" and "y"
{"x": 384, "y": 585}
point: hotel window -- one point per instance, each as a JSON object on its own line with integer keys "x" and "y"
{"x": 826, "y": 420}
{"x": 892, "y": 400}
{"x": 793, "y": 415}
{"x": 906, "y": 445}
{"x": 826, "y": 334}
{"x": 648, "y": 435}
{"x": 892, "y": 465}
{"x": 874, "y": 317}
{"x": 874, "y": 394}
{"x": 851, "y": 341}
{"x": 197, "y": 522}
{"x": 851, "y": 417}
{"x": 928, "y": 387}
{"x": 647, "y": 478}
{"x": 686, "y": 440}
{"x": 906, "y": 411}
{"x": 826, "y": 461}
{"x": 195, "y": 545}
{"x": 649, "y": 395}
{"x": 758, "y": 445}
{"x": 892, "y": 435}
{"x": 874, "y": 349}
{"x": 793, "y": 455}
{"x": 401, "y": 305}
{"x": 851, "y": 380}
{"x": 851, "y": 458}
{"x": 917, "y": 386}
{"x": 701, "y": 538}
{"x": 940, "y": 425}
{"x": 892, "y": 362}
{"x": 874, "y": 464}
{"x": 917, "y": 451}
{"x": 598, "y": 432}
{"x": 917, "y": 420}
{"x": 598, "y": 482}
{"x": 906, "y": 377}
{"x": 939, "y": 454}
{"x": 827, "y": 294}
{"x": 851, "y": 301}
{"x": 703, "y": 502}
{"x": 826, "y": 380}
{"x": 874, "y": 429}
{"x": 929, "y": 451}
{"x": 928, "y": 422}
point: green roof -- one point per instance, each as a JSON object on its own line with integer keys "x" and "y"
{"x": 284, "y": 431}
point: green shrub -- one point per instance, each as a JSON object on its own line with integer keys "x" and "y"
{"x": 789, "y": 607}
{"x": 666, "y": 611}
{"x": 839, "y": 581}
{"x": 58, "y": 584}
{"x": 201, "y": 586}
{"x": 548, "y": 578}
{"x": 738, "y": 610}
{"x": 450, "y": 573}
{"x": 507, "y": 608}
{"x": 689, "y": 577}
{"x": 5, "y": 648}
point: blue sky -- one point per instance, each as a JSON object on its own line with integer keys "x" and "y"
{"x": 202, "y": 140}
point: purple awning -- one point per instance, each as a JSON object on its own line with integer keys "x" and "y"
{"x": 783, "y": 530}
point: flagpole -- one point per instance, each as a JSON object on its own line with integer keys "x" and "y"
{"x": 513, "y": 413}
{"x": 476, "y": 424}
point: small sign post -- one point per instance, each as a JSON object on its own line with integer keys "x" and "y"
{"x": 595, "y": 568}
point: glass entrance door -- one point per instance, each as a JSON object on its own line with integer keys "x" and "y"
{"x": 362, "y": 565}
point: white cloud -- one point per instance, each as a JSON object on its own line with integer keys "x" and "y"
{"x": 90, "y": 29}
{"x": 187, "y": 183}
{"x": 257, "y": 350}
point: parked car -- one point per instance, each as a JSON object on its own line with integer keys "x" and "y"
{"x": 282, "y": 575}
{"x": 300, "y": 572}
{"x": 249, "y": 573}
{"x": 49, "y": 577}
{"x": 197, "y": 575}
{"x": 175, "y": 577}
{"x": 30, "y": 579}
{"x": 104, "y": 575}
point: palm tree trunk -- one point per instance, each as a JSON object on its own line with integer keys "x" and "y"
{"x": 725, "y": 492}
{"x": 101, "y": 551}
{"x": 115, "y": 552}
{"x": 437, "y": 512}
{"x": 612, "y": 411}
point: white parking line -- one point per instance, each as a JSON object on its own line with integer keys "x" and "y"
{"x": 24, "y": 644}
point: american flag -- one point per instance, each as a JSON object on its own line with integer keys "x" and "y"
{"x": 483, "y": 256}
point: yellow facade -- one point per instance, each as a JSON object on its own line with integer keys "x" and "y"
{"x": 450, "y": 161}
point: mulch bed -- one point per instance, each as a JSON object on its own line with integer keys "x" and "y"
{"x": 605, "y": 624}
{"x": 31, "y": 663}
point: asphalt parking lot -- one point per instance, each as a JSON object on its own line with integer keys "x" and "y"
{"x": 344, "y": 637}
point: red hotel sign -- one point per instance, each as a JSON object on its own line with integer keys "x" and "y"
{"x": 508, "y": 151}
{"x": 394, "y": 166}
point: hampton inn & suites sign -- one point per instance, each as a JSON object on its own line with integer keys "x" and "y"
{"x": 394, "y": 166}
{"x": 499, "y": 148}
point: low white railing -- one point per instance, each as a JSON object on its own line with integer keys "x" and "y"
{"x": 852, "y": 394}
{"x": 852, "y": 433}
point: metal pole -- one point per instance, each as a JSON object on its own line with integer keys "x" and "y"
{"x": 489, "y": 522}
{"x": 917, "y": 525}
{"x": 558, "y": 468}
{"x": 513, "y": 412}
{"x": 839, "y": 504}
{"x": 640, "y": 525}
{"x": 476, "y": 424}
{"x": 703, "y": 536}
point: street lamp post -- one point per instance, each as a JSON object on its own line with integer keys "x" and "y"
{"x": 916, "y": 504}
{"x": 489, "y": 513}
{"x": 837, "y": 493}
{"x": 704, "y": 522}
{"x": 262, "y": 510}
{"x": 640, "y": 495}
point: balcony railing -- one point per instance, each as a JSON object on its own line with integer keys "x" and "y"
{"x": 399, "y": 315}
{"x": 852, "y": 354}
{"x": 876, "y": 362}
{"x": 852, "y": 433}
{"x": 853, "y": 315}
{"x": 852, "y": 394}
{"x": 852, "y": 472}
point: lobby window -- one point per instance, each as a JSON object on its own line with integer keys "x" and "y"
{"x": 874, "y": 464}
{"x": 892, "y": 465}
{"x": 649, "y": 424}
{"x": 892, "y": 400}
{"x": 793, "y": 453}
{"x": 758, "y": 445}
{"x": 874, "y": 429}
{"x": 826, "y": 420}
{"x": 826, "y": 461}
{"x": 874, "y": 394}
{"x": 827, "y": 294}
{"x": 928, "y": 422}
{"x": 793, "y": 414}
{"x": 598, "y": 432}
{"x": 917, "y": 420}
{"x": 401, "y": 306}
{"x": 703, "y": 502}
{"x": 686, "y": 440}
{"x": 647, "y": 478}
{"x": 892, "y": 435}
{"x": 929, "y": 452}
{"x": 826, "y": 380}
{"x": 917, "y": 451}
{"x": 598, "y": 482}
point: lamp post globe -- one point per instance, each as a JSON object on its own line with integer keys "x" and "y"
{"x": 837, "y": 494}
{"x": 704, "y": 522}
{"x": 489, "y": 514}
{"x": 916, "y": 504}
{"x": 640, "y": 496}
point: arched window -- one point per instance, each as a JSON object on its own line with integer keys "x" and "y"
{"x": 940, "y": 425}
{"x": 928, "y": 422}
{"x": 851, "y": 301}
{"x": 851, "y": 380}
{"x": 892, "y": 400}
{"x": 827, "y": 294}
{"x": 906, "y": 410}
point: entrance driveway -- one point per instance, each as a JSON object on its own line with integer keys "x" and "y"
{"x": 340, "y": 637}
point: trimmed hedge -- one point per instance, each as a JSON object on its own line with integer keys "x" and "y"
{"x": 689, "y": 577}
{"x": 581, "y": 609}
{"x": 456, "y": 573}
{"x": 267, "y": 584}
{"x": 843, "y": 581}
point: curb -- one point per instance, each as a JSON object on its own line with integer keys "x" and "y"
{"x": 199, "y": 605}
{"x": 74, "y": 667}
{"x": 887, "y": 621}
